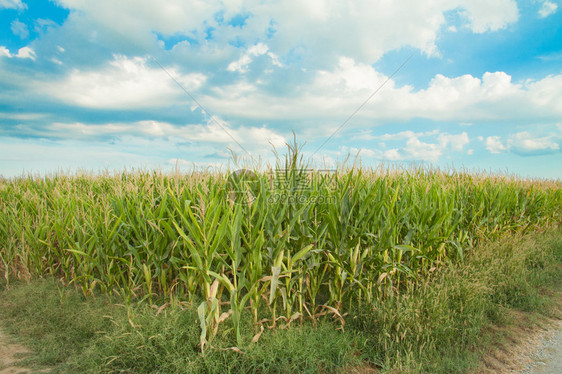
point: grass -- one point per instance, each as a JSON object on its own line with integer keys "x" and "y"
{"x": 58, "y": 320}
{"x": 92, "y": 335}
{"x": 437, "y": 324}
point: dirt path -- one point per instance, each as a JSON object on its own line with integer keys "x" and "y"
{"x": 547, "y": 358}
{"x": 10, "y": 354}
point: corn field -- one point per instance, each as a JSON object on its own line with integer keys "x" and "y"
{"x": 278, "y": 246}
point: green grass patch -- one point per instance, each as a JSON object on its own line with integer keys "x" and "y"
{"x": 73, "y": 334}
{"x": 55, "y": 321}
{"x": 436, "y": 325}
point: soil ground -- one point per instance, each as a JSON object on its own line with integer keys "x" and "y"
{"x": 10, "y": 354}
{"x": 547, "y": 358}
{"x": 531, "y": 345}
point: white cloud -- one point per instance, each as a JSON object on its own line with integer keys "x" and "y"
{"x": 498, "y": 84}
{"x": 494, "y": 145}
{"x": 26, "y": 52}
{"x": 526, "y": 143}
{"x": 456, "y": 142}
{"x": 375, "y": 27}
{"x": 363, "y": 152}
{"x": 5, "y": 52}
{"x": 369, "y": 33}
{"x": 546, "y": 93}
{"x": 126, "y": 83}
{"x": 241, "y": 65}
{"x": 12, "y": 4}
{"x": 132, "y": 82}
{"x": 349, "y": 76}
{"x": 392, "y": 155}
{"x": 547, "y": 9}
{"x": 335, "y": 94}
{"x": 487, "y": 15}
{"x": 251, "y": 138}
{"x": 19, "y": 29}
{"x": 23, "y": 116}
{"x": 137, "y": 19}
{"x": 260, "y": 49}
{"x": 371, "y": 27}
{"x": 416, "y": 149}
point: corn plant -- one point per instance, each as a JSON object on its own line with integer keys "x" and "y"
{"x": 286, "y": 244}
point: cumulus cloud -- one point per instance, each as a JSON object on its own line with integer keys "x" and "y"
{"x": 5, "y": 52}
{"x": 260, "y": 49}
{"x": 545, "y": 93}
{"x": 369, "y": 34}
{"x": 456, "y": 142}
{"x": 349, "y": 77}
{"x": 24, "y": 52}
{"x": 524, "y": 143}
{"x": 137, "y": 20}
{"x": 422, "y": 146}
{"x": 490, "y": 15}
{"x": 12, "y": 4}
{"x": 371, "y": 27}
{"x": 467, "y": 97}
{"x": 332, "y": 95}
{"x": 337, "y": 93}
{"x": 494, "y": 145}
{"x": 417, "y": 150}
{"x": 547, "y": 9}
{"x": 125, "y": 83}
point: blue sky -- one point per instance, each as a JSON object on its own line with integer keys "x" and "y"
{"x": 85, "y": 85}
